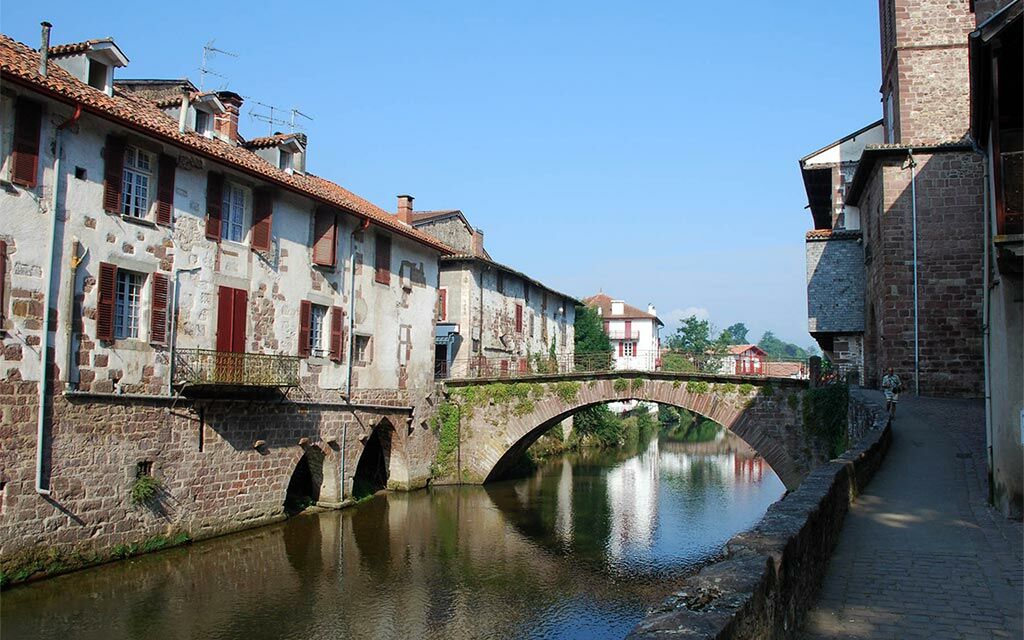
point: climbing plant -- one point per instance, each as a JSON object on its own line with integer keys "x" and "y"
{"x": 825, "y": 415}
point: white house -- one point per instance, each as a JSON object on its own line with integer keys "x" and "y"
{"x": 636, "y": 343}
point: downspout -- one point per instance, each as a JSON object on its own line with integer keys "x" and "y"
{"x": 365, "y": 224}
{"x": 985, "y": 312}
{"x": 174, "y": 323}
{"x": 68, "y": 331}
{"x": 44, "y": 387}
{"x": 917, "y": 325}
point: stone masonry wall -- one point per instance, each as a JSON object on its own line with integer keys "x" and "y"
{"x": 835, "y": 282}
{"x": 214, "y": 477}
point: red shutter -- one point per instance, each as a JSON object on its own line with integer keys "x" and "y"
{"x": 382, "y": 260}
{"x": 606, "y": 327}
{"x": 113, "y": 174}
{"x": 519, "y": 318}
{"x": 165, "y": 189}
{"x": 158, "y": 310}
{"x": 225, "y": 316}
{"x": 262, "y": 215}
{"x": 325, "y": 237}
{"x": 28, "y": 121}
{"x": 620, "y": 348}
{"x": 214, "y": 197}
{"x": 305, "y": 308}
{"x": 628, "y": 331}
{"x": 337, "y": 322}
{"x": 106, "y": 293}
{"x": 241, "y": 306}
{"x": 442, "y": 304}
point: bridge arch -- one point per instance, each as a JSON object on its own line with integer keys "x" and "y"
{"x": 764, "y": 413}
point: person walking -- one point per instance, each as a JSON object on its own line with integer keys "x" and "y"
{"x": 891, "y": 387}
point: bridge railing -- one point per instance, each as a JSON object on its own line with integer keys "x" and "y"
{"x": 518, "y": 366}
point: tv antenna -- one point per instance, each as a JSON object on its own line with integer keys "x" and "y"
{"x": 209, "y": 51}
{"x": 272, "y": 119}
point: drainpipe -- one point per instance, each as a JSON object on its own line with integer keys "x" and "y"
{"x": 174, "y": 323}
{"x": 365, "y": 224}
{"x": 44, "y": 377}
{"x": 68, "y": 308}
{"x": 985, "y": 312}
{"x": 917, "y": 326}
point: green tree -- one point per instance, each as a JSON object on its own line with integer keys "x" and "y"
{"x": 779, "y": 349}
{"x": 590, "y": 335}
{"x": 693, "y": 335}
{"x": 737, "y": 333}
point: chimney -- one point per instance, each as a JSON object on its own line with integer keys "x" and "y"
{"x": 651, "y": 310}
{"x": 405, "y": 208}
{"x": 477, "y": 246}
{"x": 183, "y": 111}
{"x": 226, "y": 124}
{"x": 44, "y": 48}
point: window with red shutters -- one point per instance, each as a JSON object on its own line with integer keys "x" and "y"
{"x": 106, "y": 292}
{"x": 232, "y": 309}
{"x": 214, "y": 197}
{"x": 442, "y": 305}
{"x": 325, "y": 237}
{"x": 165, "y": 189}
{"x": 620, "y": 349}
{"x": 382, "y": 260}
{"x": 28, "y": 121}
{"x": 158, "y": 313}
{"x": 305, "y": 309}
{"x": 113, "y": 174}
{"x": 337, "y": 333}
{"x": 262, "y": 216}
{"x": 519, "y": 318}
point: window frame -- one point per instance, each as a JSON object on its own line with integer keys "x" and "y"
{"x": 362, "y": 356}
{"x": 131, "y": 172}
{"x": 226, "y": 221}
{"x": 128, "y": 304}
{"x": 319, "y": 332}
{"x": 628, "y": 349}
{"x": 207, "y": 131}
{"x": 286, "y": 160}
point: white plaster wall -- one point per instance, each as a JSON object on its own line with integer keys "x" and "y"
{"x": 847, "y": 150}
{"x": 646, "y": 355}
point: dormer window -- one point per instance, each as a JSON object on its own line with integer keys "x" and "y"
{"x": 204, "y": 123}
{"x": 92, "y": 62}
{"x": 98, "y": 75}
{"x": 286, "y": 160}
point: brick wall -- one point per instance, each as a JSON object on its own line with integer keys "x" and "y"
{"x": 949, "y": 192}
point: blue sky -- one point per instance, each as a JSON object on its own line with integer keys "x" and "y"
{"x": 646, "y": 149}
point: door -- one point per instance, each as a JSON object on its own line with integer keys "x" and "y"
{"x": 231, "y": 313}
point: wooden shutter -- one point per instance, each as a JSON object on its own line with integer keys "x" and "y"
{"x": 165, "y": 189}
{"x": 519, "y": 318}
{"x": 113, "y": 174}
{"x": 225, "y": 317}
{"x": 28, "y": 121}
{"x": 607, "y": 326}
{"x": 382, "y": 260}
{"x": 620, "y": 348}
{"x": 158, "y": 311}
{"x": 262, "y": 214}
{"x": 214, "y": 197}
{"x": 241, "y": 306}
{"x": 442, "y": 304}
{"x": 325, "y": 237}
{"x": 337, "y": 322}
{"x": 628, "y": 331}
{"x": 106, "y": 293}
{"x": 305, "y": 309}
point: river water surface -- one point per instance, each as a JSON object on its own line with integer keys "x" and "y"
{"x": 579, "y": 549}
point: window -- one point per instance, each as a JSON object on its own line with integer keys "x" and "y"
{"x": 404, "y": 344}
{"x": 442, "y": 305}
{"x": 126, "y": 304}
{"x": 519, "y": 318}
{"x": 204, "y": 123}
{"x": 97, "y": 75}
{"x": 232, "y": 213}
{"x": 317, "y": 318}
{"x": 500, "y": 278}
{"x": 890, "y": 119}
{"x": 629, "y": 349}
{"x": 382, "y": 259}
{"x": 286, "y": 160}
{"x": 364, "y": 354}
{"x": 137, "y": 173}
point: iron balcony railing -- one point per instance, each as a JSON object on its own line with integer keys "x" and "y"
{"x": 622, "y": 334}
{"x": 208, "y": 367}
{"x": 509, "y": 366}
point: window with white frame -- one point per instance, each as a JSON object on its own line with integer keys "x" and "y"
{"x": 204, "y": 123}
{"x": 317, "y": 334}
{"x": 286, "y": 160}
{"x": 629, "y": 349}
{"x": 126, "y": 304}
{"x": 138, "y": 173}
{"x": 232, "y": 220}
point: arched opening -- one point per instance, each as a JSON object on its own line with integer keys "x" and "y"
{"x": 304, "y": 485}
{"x": 375, "y": 462}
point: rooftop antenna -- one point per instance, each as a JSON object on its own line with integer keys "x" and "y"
{"x": 270, "y": 119}
{"x": 296, "y": 112}
{"x": 209, "y": 51}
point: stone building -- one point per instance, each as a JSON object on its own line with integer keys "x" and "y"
{"x": 492, "y": 320}
{"x": 180, "y": 303}
{"x": 997, "y": 124}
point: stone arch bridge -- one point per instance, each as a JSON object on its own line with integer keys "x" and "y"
{"x": 485, "y": 425}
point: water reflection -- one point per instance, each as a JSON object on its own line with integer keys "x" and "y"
{"x": 578, "y": 549}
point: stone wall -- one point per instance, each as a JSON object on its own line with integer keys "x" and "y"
{"x": 770, "y": 575}
{"x": 835, "y": 281}
{"x": 223, "y": 465}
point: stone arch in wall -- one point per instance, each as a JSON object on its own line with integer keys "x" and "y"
{"x": 306, "y": 483}
{"x": 769, "y": 421}
{"x": 374, "y": 467}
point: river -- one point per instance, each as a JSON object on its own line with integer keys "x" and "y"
{"x": 579, "y": 549}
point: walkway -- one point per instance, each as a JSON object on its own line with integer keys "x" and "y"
{"x": 921, "y": 554}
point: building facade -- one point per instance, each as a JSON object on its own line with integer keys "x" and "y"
{"x": 634, "y": 333}
{"x": 181, "y": 303}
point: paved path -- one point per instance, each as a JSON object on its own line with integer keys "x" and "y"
{"x": 921, "y": 554}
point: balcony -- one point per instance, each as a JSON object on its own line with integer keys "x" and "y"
{"x": 205, "y": 368}
{"x": 620, "y": 334}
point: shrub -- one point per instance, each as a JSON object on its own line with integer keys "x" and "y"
{"x": 144, "y": 489}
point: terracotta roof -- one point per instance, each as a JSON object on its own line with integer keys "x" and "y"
{"x": 784, "y": 369}
{"x": 465, "y": 257}
{"x": 604, "y": 302}
{"x": 267, "y": 141}
{"x": 738, "y": 349}
{"x": 422, "y": 216}
{"x": 833, "y": 234}
{"x": 75, "y": 48}
{"x": 20, "y": 64}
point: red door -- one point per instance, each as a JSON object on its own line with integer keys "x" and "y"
{"x": 231, "y": 312}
